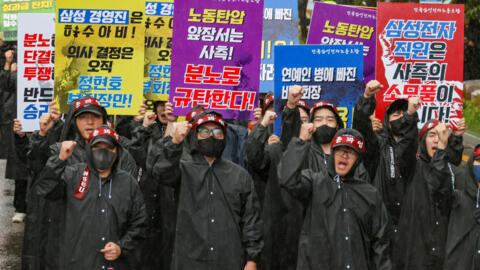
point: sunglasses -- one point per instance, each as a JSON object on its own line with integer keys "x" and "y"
{"x": 205, "y": 133}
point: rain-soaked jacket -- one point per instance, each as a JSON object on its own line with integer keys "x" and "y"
{"x": 218, "y": 219}
{"x": 160, "y": 200}
{"x": 463, "y": 240}
{"x": 423, "y": 222}
{"x": 111, "y": 210}
{"x": 345, "y": 221}
{"x": 282, "y": 214}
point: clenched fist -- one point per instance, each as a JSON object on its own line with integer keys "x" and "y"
{"x": 294, "y": 95}
{"x": 372, "y": 88}
{"x": 17, "y": 128}
{"x": 442, "y": 132}
{"x": 268, "y": 118}
{"x": 306, "y": 131}
{"x": 180, "y": 131}
{"x": 149, "y": 119}
{"x": 67, "y": 150}
{"x": 414, "y": 103}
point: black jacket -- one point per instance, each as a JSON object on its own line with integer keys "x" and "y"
{"x": 282, "y": 214}
{"x": 160, "y": 201}
{"x": 345, "y": 222}
{"x": 218, "y": 219}
{"x": 463, "y": 240}
{"x": 389, "y": 162}
{"x": 112, "y": 210}
{"x": 424, "y": 219}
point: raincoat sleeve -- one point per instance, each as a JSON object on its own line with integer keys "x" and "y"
{"x": 136, "y": 224}
{"x": 380, "y": 242}
{"x": 256, "y": 149}
{"x": 39, "y": 147}
{"x": 291, "y": 124}
{"x": 21, "y": 146}
{"x": 408, "y": 145}
{"x": 455, "y": 149}
{"x": 52, "y": 178}
{"x": 298, "y": 182}
{"x": 442, "y": 191}
{"x": 167, "y": 157}
{"x": 252, "y": 224}
{"x": 361, "y": 122}
{"x": 139, "y": 145}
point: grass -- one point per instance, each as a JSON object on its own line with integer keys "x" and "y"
{"x": 471, "y": 112}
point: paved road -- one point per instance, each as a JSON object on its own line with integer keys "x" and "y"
{"x": 11, "y": 235}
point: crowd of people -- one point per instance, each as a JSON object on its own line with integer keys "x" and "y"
{"x": 152, "y": 192}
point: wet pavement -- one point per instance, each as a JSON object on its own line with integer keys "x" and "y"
{"x": 11, "y": 234}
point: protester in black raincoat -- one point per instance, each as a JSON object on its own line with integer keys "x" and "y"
{"x": 160, "y": 200}
{"x": 391, "y": 154}
{"x": 104, "y": 213}
{"x": 218, "y": 220}
{"x": 345, "y": 221}
{"x": 282, "y": 214}
{"x": 45, "y": 217}
{"x": 423, "y": 222}
{"x": 326, "y": 120}
{"x": 463, "y": 240}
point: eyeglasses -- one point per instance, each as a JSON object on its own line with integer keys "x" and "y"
{"x": 205, "y": 133}
{"x": 348, "y": 153}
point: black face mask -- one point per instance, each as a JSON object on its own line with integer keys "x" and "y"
{"x": 103, "y": 159}
{"x": 211, "y": 147}
{"x": 396, "y": 126}
{"x": 324, "y": 134}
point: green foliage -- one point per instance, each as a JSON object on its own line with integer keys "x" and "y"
{"x": 471, "y": 112}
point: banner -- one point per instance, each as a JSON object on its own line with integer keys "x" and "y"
{"x": 100, "y": 53}
{"x": 35, "y": 53}
{"x": 158, "y": 46}
{"x": 11, "y": 8}
{"x": 420, "y": 53}
{"x": 216, "y": 56}
{"x": 280, "y": 27}
{"x": 332, "y": 73}
{"x": 337, "y": 24}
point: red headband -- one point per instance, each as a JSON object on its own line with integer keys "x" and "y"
{"x": 349, "y": 140}
{"x": 428, "y": 126}
{"x": 105, "y": 131}
{"x": 209, "y": 118}
{"x": 86, "y": 101}
{"x": 303, "y": 104}
{"x": 323, "y": 104}
{"x": 267, "y": 102}
{"x": 192, "y": 114}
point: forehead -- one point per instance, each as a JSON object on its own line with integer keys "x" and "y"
{"x": 210, "y": 125}
{"x": 323, "y": 112}
{"x": 344, "y": 148}
{"x": 431, "y": 132}
{"x": 88, "y": 114}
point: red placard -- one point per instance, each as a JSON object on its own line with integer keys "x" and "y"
{"x": 420, "y": 53}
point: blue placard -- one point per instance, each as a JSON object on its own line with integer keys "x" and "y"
{"x": 332, "y": 73}
{"x": 280, "y": 27}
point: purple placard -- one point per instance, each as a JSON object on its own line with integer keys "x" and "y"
{"x": 337, "y": 24}
{"x": 216, "y": 56}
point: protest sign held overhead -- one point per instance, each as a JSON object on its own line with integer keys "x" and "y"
{"x": 331, "y": 73}
{"x": 337, "y": 24}
{"x": 216, "y": 56}
{"x": 158, "y": 46}
{"x": 11, "y": 8}
{"x": 100, "y": 53}
{"x": 420, "y": 53}
{"x": 280, "y": 27}
{"x": 36, "y": 34}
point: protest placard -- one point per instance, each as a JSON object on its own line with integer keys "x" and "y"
{"x": 100, "y": 53}
{"x": 216, "y": 56}
{"x": 331, "y": 73}
{"x": 420, "y": 53}
{"x": 11, "y": 8}
{"x": 35, "y": 52}
{"x": 158, "y": 47}
{"x": 280, "y": 27}
{"x": 337, "y": 24}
